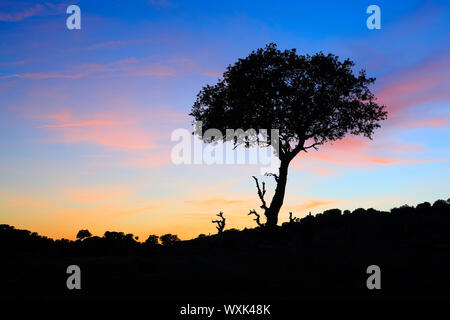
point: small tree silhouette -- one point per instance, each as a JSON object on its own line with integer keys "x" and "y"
{"x": 83, "y": 233}
{"x": 115, "y": 236}
{"x": 152, "y": 240}
{"x": 220, "y": 223}
{"x": 293, "y": 219}
{"x": 169, "y": 239}
{"x": 311, "y": 100}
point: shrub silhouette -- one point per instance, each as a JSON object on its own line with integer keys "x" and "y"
{"x": 152, "y": 240}
{"x": 114, "y": 236}
{"x": 83, "y": 233}
{"x": 311, "y": 100}
{"x": 169, "y": 239}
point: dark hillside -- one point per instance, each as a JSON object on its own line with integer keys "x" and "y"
{"x": 321, "y": 256}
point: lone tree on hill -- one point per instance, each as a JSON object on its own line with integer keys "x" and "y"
{"x": 83, "y": 233}
{"x": 310, "y": 99}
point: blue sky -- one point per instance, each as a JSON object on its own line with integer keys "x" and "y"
{"x": 86, "y": 115}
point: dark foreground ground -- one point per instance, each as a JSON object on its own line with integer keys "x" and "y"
{"x": 320, "y": 257}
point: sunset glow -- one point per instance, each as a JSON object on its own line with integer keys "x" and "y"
{"x": 86, "y": 115}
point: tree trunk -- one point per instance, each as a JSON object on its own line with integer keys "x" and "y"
{"x": 277, "y": 201}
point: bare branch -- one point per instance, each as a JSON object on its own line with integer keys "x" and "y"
{"x": 220, "y": 223}
{"x": 292, "y": 219}
{"x": 257, "y": 219}
{"x": 272, "y": 175}
{"x": 261, "y": 193}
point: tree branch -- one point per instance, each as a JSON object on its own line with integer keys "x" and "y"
{"x": 257, "y": 219}
{"x": 291, "y": 155}
{"x": 220, "y": 223}
{"x": 261, "y": 193}
{"x": 312, "y": 146}
{"x": 269, "y": 174}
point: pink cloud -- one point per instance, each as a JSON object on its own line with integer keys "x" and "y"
{"x": 87, "y": 123}
{"x": 60, "y": 116}
{"x": 38, "y": 76}
{"x": 33, "y": 11}
{"x": 212, "y": 74}
{"x": 125, "y": 67}
{"x": 113, "y": 130}
{"x": 359, "y": 151}
{"x": 153, "y": 160}
{"x": 324, "y": 172}
{"x": 15, "y": 63}
{"x": 115, "y": 137}
{"x": 433, "y": 123}
{"x": 426, "y": 83}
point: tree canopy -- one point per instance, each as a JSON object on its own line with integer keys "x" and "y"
{"x": 316, "y": 98}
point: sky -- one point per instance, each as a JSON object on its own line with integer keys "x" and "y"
{"x": 86, "y": 115}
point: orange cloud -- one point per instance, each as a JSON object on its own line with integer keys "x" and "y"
{"x": 216, "y": 202}
{"x": 324, "y": 172}
{"x": 309, "y": 204}
{"x": 100, "y": 194}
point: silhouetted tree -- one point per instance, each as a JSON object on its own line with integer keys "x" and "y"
{"x": 424, "y": 206}
{"x": 293, "y": 219}
{"x": 83, "y": 233}
{"x": 117, "y": 236}
{"x": 440, "y": 204}
{"x": 257, "y": 219}
{"x": 129, "y": 237}
{"x": 220, "y": 223}
{"x": 310, "y": 99}
{"x": 152, "y": 240}
{"x": 169, "y": 239}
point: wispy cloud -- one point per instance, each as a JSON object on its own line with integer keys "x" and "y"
{"x": 129, "y": 67}
{"x": 40, "y": 75}
{"x": 426, "y": 83}
{"x": 36, "y": 10}
{"x": 309, "y": 204}
{"x": 111, "y": 130}
{"x": 428, "y": 123}
{"x": 86, "y": 123}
